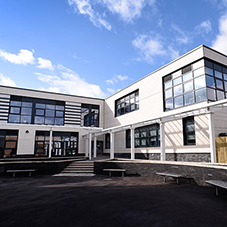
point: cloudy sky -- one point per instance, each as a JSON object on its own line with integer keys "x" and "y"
{"x": 97, "y": 47}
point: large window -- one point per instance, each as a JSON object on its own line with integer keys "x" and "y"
{"x": 147, "y": 136}
{"x": 216, "y": 80}
{"x": 8, "y": 143}
{"x": 63, "y": 143}
{"x": 26, "y": 110}
{"x": 89, "y": 115}
{"x": 189, "y": 131}
{"x": 185, "y": 87}
{"x": 127, "y": 103}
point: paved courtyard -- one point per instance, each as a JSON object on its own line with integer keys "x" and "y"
{"x": 110, "y": 202}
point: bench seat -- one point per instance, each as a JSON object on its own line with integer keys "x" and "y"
{"x": 218, "y": 184}
{"x": 174, "y": 175}
{"x": 115, "y": 170}
{"x": 14, "y": 171}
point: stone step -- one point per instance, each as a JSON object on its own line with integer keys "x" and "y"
{"x": 79, "y": 167}
{"x": 76, "y": 171}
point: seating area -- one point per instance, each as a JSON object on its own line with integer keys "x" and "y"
{"x": 14, "y": 171}
{"x": 217, "y": 184}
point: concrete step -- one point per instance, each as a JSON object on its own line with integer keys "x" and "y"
{"x": 79, "y": 167}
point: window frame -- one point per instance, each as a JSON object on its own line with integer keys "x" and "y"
{"x": 185, "y": 122}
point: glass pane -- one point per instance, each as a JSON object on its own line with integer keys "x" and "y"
{"x": 190, "y": 127}
{"x": 219, "y": 84}
{"x": 178, "y": 102}
{"x": 137, "y": 134}
{"x": 137, "y": 142}
{"x": 177, "y": 90}
{"x": 211, "y": 95}
{"x": 220, "y": 95}
{"x": 14, "y": 118}
{"x": 187, "y": 76}
{"x": 177, "y": 81}
{"x": 40, "y": 105}
{"x": 60, "y": 107}
{"x": 198, "y": 72}
{"x": 168, "y": 84}
{"x": 176, "y": 74}
{"x": 26, "y": 104}
{"x": 50, "y": 113}
{"x": 143, "y": 142}
{"x": 26, "y": 111}
{"x": 49, "y": 121}
{"x": 169, "y": 104}
{"x": 218, "y": 74}
{"x": 26, "y": 119}
{"x": 200, "y": 95}
{"x": 11, "y": 144}
{"x": 225, "y": 84}
{"x": 153, "y": 132}
{"x": 225, "y": 76}
{"x": 200, "y": 82}
{"x": 210, "y": 81}
{"x": 15, "y": 103}
{"x": 39, "y": 120}
{"x": 168, "y": 93}
{"x": 59, "y": 113}
{"x": 143, "y": 134}
{"x": 39, "y": 112}
{"x": 52, "y": 107}
{"x": 188, "y": 86}
{"x": 59, "y": 121}
{"x": 11, "y": 137}
{"x": 189, "y": 98}
{"x": 15, "y": 110}
{"x": 153, "y": 141}
{"x": 209, "y": 71}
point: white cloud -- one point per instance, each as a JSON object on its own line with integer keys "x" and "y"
{"x": 205, "y": 26}
{"x": 112, "y": 81}
{"x": 220, "y": 43}
{"x": 149, "y": 47}
{"x": 121, "y": 78}
{"x": 4, "y": 80}
{"x": 182, "y": 37}
{"x": 45, "y": 64}
{"x": 71, "y": 83}
{"x": 127, "y": 9}
{"x": 111, "y": 91}
{"x": 173, "y": 53}
{"x": 84, "y": 7}
{"x": 24, "y": 57}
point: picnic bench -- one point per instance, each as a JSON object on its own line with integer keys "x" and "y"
{"x": 174, "y": 175}
{"x": 14, "y": 171}
{"x": 218, "y": 184}
{"x": 115, "y": 170}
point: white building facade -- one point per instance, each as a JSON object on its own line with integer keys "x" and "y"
{"x": 174, "y": 113}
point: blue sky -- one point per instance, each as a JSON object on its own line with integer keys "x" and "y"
{"x": 97, "y": 47}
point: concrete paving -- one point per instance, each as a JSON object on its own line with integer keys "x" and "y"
{"x": 108, "y": 201}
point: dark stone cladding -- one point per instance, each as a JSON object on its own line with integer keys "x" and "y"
{"x": 198, "y": 172}
{"x": 182, "y": 157}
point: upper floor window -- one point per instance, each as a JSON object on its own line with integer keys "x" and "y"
{"x": 26, "y": 110}
{"x": 186, "y": 86}
{"x": 127, "y": 103}
{"x": 89, "y": 115}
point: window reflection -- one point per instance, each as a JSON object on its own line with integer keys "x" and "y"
{"x": 177, "y": 90}
{"x": 189, "y": 98}
{"x": 178, "y": 101}
{"x": 200, "y": 82}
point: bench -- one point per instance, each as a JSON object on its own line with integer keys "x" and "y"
{"x": 218, "y": 184}
{"x": 174, "y": 175}
{"x": 115, "y": 170}
{"x": 14, "y": 171}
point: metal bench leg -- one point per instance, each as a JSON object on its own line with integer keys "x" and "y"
{"x": 30, "y": 173}
{"x": 122, "y": 173}
{"x": 165, "y": 179}
{"x": 14, "y": 174}
{"x": 177, "y": 180}
{"x": 110, "y": 173}
{"x": 216, "y": 191}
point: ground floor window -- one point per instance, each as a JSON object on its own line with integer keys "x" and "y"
{"x": 147, "y": 136}
{"x": 63, "y": 143}
{"x": 8, "y": 143}
{"x": 189, "y": 131}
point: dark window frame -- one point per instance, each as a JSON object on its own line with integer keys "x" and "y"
{"x": 125, "y": 104}
{"x": 186, "y": 134}
{"x": 107, "y": 141}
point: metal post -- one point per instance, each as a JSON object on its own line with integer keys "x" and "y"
{"x": 95, "y": 147}
{"x": 112, "y": 145}
{"x": 50, "y": 142}
{"x": 86, "y": 147}
{"x": 162, "y": 141}
{"x": 212, "y": 138}
{"x": 132, "y": 143}
{"x": 89, "y": 145}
